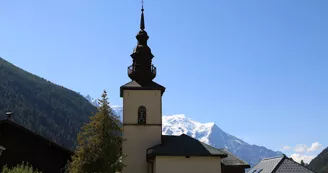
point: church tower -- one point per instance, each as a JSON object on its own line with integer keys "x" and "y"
{"x": 142, "y": 107}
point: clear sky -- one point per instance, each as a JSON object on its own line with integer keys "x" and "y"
{"x": 258, "y": 69}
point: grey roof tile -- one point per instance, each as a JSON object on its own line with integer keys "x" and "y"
{"x": 232, "y": 160}
{"x": 184, "y": 145}
{"x": 280, "y": 164}
{"x": 290, "y": 166}
{"x": 267, "y": 165}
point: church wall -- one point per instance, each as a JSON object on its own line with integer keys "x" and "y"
{"x": 140, "y": 137}
{"x": 138, "y": 140}
{"x": 171, "y": 164}
{"x": 151, "y": 99}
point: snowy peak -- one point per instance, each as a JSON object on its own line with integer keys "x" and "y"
{"x": 211, "y": 134}
{"x": 118, "y": 111}
{"x": 179, "y": 124}
{"x": 93, "y": 101}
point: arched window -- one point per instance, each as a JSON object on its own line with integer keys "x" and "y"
{"x": 142, "y": 114}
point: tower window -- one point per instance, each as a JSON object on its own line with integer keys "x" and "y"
{"x": 142, "y": 115}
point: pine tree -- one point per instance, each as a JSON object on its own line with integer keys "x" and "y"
{"x": 302, "y": 163}
{"x": 99, "y": 143}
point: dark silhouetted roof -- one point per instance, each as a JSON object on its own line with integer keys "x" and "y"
{"x": 133, "y": 85}
{"x": 232, "y": 160}
{"x": 280, "y": 164}
{"x": 183, "y": 145}
{"x": 51, "y": 143}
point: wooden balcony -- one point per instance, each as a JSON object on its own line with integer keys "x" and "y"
{"x": 133, "y": 73}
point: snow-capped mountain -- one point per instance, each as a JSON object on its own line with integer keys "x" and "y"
{"x": 92, "y": 100}
{"x": 118, "y": 110}
{"x": 211, "y": 134}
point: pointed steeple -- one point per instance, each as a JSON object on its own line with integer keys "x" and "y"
{"x": 142, "y": 70}
{"x": 142, "y": 21}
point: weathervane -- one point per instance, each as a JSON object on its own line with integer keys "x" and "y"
{"x": 142, "y": 2}
{"x": 142, "y": 21}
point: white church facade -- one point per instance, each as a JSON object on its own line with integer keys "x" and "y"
{"x": 146, "y": 149}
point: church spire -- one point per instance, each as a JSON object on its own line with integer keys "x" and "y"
{"x": 142, "y": 21}
{"x": 142, "y": 70}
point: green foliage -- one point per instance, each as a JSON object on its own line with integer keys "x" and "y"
{"x": 302, "y": 163}
{"x": 21, "y": 168}
{"x": 48, "y": 109}
{"x": 99, "y": 143}
{"x": 320, "y": 163}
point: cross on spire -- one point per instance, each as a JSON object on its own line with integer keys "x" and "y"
{"x": 142, "y": 21}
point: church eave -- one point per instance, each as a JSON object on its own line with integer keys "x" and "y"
{"x": 152, "y": 155}
{"x": 133, "y": 85}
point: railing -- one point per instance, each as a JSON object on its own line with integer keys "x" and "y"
{"x": 131, "y": 69}
{"x": 153, "y": 70}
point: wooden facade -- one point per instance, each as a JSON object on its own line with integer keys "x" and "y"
{"x": 23, "y": 145}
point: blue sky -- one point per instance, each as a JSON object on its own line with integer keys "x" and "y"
{"x": 258, "y": 69}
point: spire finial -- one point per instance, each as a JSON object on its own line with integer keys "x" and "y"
{"x": 142, "y": 2}
{"x": 142, "y": 22}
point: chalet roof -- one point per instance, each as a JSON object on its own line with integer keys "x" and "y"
{"x": 232, "y": 160}
{"x": 51, "y": 143}
{"x": 280, "y": 164}
{"x": 183, "y": 145}
{"x": 133, "y": 85}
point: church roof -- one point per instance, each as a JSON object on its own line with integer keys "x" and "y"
{"x": 183, "y": 145}
{"x": 133, "y": 85}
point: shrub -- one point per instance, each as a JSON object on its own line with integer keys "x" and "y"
{"x": 20, "y": 168}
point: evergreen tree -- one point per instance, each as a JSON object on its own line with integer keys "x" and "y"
{"x": 302, "y": 163}
{"x": 99, "y": 143}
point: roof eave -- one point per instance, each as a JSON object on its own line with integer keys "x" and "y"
{"x": 126, "y": 87}
{"x": 185, "y": 155}
{"x": 242, "y": 166}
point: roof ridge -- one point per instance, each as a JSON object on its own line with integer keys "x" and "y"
{"x": 279, "y": 163}
{"x": 219, "y": 149}
{"x": 269, "y": 158}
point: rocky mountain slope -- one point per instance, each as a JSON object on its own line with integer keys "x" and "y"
{"x": 320, "y": 163}
{"x": 48, "y": 109}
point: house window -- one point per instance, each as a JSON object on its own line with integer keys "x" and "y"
{"x": 142, "y": 115}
